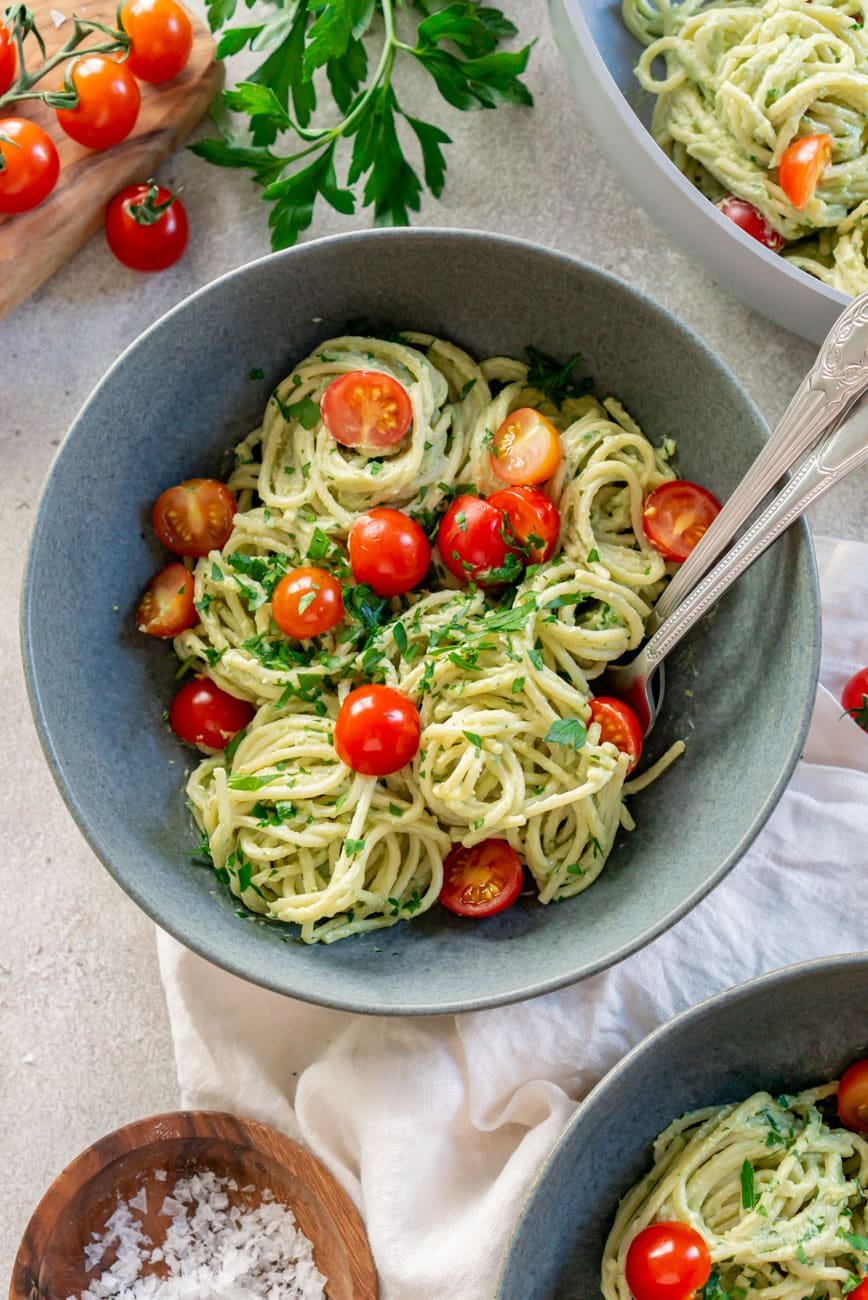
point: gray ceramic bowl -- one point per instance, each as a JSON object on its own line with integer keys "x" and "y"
{"x": 172, "y": 406}
{"x": 600, "y": 54}
{"x": 783, "y": 1032}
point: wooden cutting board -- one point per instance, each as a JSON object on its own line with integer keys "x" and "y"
{"x": 34, "y": 244}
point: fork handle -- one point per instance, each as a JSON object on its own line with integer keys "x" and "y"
{"x": 837, "y": 378}
{"x": 840, "y": 452}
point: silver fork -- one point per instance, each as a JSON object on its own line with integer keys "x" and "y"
{"x": 845, "y": 449}
{"x": 837, "y": 378}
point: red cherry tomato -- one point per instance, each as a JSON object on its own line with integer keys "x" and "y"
{"x": 146, "y": 227}
{"x": 388, "y": 551}
{"x": 853, "y": 1097}
{"x": 801, "y": 167}
{"x": 108, "y": 102}
{"x": 366, "y": 408}
{"x": 30, "y": 165}
{"x": 860, "y": 1292}
{"x": 377, "y": 730}
{"x": 854, "y": 698}
{"x": 166, "y": 607}
{"x": 667, "y": 1261}
{"x": 307, "y": 602}
{"x": 8, "y": 59}
{"x": 675, "y": 516}
{"x": 195, "y": 517}
{"x": 751, "y": 221}
{"x": 618, "y": 725}
{"x": 534, "y": 519}
{"x": 161, "y": 35}
{"x": 526, "y": 448}
{"x": 472, "y": 542}
{"x": 202, "y": 714}
{"x": 481, "y": 880}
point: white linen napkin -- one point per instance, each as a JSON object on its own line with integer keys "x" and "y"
{"x": 436, "y": 1127}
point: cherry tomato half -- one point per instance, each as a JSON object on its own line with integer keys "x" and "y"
{"x": 472, "y": 542}
{"x": 166, "y": 607}
{"x": 202, "y": 714}
{"x": 618, "y": 725}
{"x": 853, "y": 1097}
{"x": 377, "y": 730}
{"x": 161, "y": 35}
{"x": 675, "y": 516}
{"x": 526, "y": 448}
{"x": 195, "y": 517}
{"x": 30, "y": 165}
{"x": 307, "y": 602}
{"x": 751, "y": 221}
{"x": 366, "y": 408}
{"x": 388, "y": 551}
{"x": 535, "y": 520}
{"x": 8, "y": 59}
{"x": 801, "y": 167}
{"x": 108, "y": 102}
{"x": 146, "y": 227}
{"x": 854, "y": 698}
{"x": 667, "y": 1261}
{"x": 481, "y": 880}
{"x": 861, "y": 1291}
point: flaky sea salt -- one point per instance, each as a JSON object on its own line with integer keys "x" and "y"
{"x": 212, "y": 1250}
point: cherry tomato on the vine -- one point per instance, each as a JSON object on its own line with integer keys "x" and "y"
{"x": 162, "y": 38}
{"x": 377, "y": 730}
{"x": 751, "y": 221}
{"x": 675, "y": 516}
{"x": 146, "y": 227}
{"x": 388, "y": 551}
{"x": 618, "y": 725}
{"x": 472, "y": 542}
{"x": 801, "y": 167}
{"x": 166, "y": 607}
{"x": 8, "y": 59}
{"x": 667, "y": 1261}
{"x": 526, "y": 448}
{"x": 108, "y": 102}
{"x": 366, "y": 409}
{"x": 853, "y": 1097}
{"x": 203, "y": 714}
{"x": 481, "y": 880}
{"x": 534, "y": 519}
{"x": 30, "y": 165}
{"x": 194, "y": 517}
{"x": 307, "y": 602}
{"x": 854, "y": 698}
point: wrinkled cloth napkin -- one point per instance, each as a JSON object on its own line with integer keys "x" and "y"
{"x": 437, "y": 1126}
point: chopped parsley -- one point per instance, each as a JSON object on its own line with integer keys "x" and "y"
{"x": 571, "y": 732}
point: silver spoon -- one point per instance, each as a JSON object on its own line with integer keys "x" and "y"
{"x": 641, "y": 682}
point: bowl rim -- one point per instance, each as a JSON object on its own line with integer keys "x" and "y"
{"x": 286, "y": 982}
{"x": 733, "y": 995}
{"x": 798, "y": 281}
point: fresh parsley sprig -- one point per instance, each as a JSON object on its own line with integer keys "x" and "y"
{"x": 458, "y": 46}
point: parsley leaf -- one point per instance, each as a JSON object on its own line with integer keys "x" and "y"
{"x": 567, "y": 731}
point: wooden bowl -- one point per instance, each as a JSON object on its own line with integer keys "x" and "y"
{"x": 50, "y": 1263}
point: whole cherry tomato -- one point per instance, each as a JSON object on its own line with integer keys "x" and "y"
{"x": 801, "y": 167}
{"x": 619, "y": 726}
{"x": 203, "y": 714}
{"x": 307, "y": 602}
{"x": 388, "y": 551}
{"x": 30, "y": 165}
{"x": 667, "y": 1261}
{"x": 853, "y": 1097}
{"x": 751, "y": 221}
{"x": 526, "y": 448}
{"x": 534, "y": 519}
{"x": 146, "y": 227}
{"x": 167, "y": 608}
{"x": 161, "y": 35}
{"x": 194, "y": 517}
{"x": 675, "y": 516}
{"x": 366, "y": 409}
{"x": 108, "y": 102}
{"x": 860, "y": 1292}
{"x": 854, "y": 698}
{"x": 377, "y": 730}
{"x": 8, "y": 59}
{"x": 472, "y": 541}
{"x": 482, "y": 880}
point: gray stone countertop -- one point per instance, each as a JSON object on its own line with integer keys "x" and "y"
{"x": 84, "y": 1037}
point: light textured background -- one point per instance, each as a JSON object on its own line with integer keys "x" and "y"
{"x": 84, "y": 1042}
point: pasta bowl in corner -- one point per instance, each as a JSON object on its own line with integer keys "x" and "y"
{"x": 740, "y": 688}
